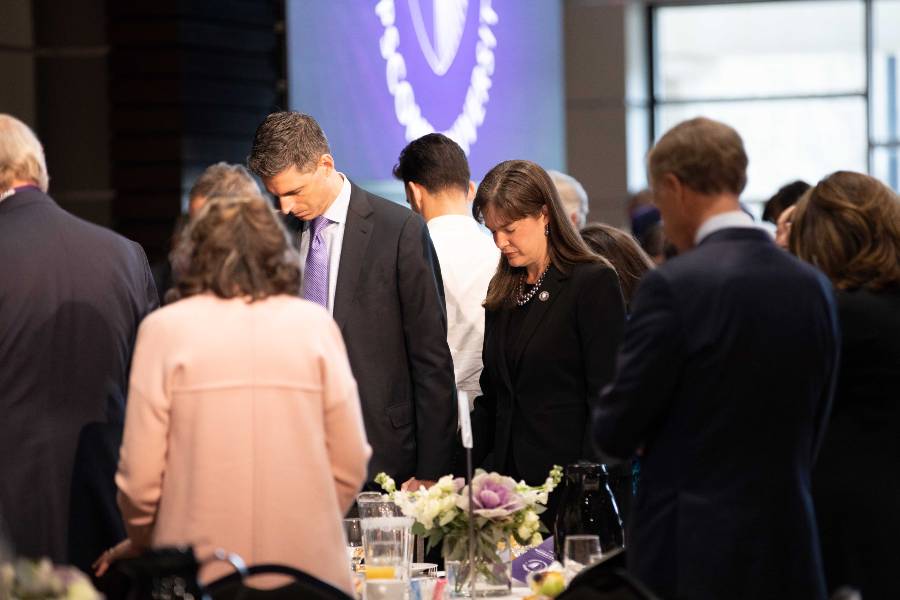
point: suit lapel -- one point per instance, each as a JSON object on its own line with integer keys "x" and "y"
{"x": 499, "y": 335}
{"x": 357, "y": 233}
{"x": 550, "y": 289}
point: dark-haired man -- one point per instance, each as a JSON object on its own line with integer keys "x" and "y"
{"x": 372, "y": 264}
{"x": 435, "y": 174}
{"x": 787, "y": 195}
{"x": 725, "y": 380}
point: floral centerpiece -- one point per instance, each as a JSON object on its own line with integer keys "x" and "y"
{"x": 504, "y": 510}
{"x": 41, "y": 580}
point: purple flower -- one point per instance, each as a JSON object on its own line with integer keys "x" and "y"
{"x": 493, "y": 496}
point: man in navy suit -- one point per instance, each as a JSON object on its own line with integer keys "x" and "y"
{"x": 723, "y": 386}
{"x": 72, "y": 295}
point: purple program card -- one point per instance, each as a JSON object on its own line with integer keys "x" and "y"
{"x": 536, "y": 559}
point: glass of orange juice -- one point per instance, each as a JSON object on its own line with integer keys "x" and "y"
{"x": 386, "y": 547}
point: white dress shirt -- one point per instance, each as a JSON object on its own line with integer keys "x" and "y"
{"x": 334, "y": 238}
{"x": 468, "y": 259}
{"x": 726, "y": 220}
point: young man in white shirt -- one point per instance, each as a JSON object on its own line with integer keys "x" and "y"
{"x": 435, "y": 173}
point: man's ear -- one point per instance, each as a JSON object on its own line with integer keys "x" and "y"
{"x": 680, "y": 193}
{"x": 414, "y": 196}
{"x": 675, "y": 190}
{"x": 327, "y": 161}
{"x": 575, "y": 220}
{"x": 545, "y": 215}
{"x": 470, "y": 196}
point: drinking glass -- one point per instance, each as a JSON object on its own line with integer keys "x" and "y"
{"x": 353, "y": 533}
{"x": 373, "y": 504}
{"x": 386, "y": 547}
{"x": 579, "y": 551}
{"x": 386, "y": 589}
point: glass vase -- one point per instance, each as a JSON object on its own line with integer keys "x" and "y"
{"x": 492, "y": 574}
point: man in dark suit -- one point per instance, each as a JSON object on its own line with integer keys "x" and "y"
{"x": 371, "y": 263}
{"x": 724, "y": 384}
{"x": 71, "y": 297}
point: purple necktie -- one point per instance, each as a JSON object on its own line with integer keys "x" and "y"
{"x": 315, "y": 276}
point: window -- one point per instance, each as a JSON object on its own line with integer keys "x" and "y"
{"x": 884, "y": 105}
{"x": 793, "y": 77}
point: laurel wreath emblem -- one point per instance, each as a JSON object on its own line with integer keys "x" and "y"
{"x": 464, "y": 130}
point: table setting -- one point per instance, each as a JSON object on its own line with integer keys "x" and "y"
{"x": 490, "y": 534}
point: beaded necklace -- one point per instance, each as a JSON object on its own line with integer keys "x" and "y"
{"x": 522, "y": 297}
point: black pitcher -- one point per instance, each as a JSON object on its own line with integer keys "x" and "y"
{"x": 587, "y": 506}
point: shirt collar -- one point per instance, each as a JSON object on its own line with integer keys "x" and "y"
{"x": 726, "y": 220}
{"x": 453, "y": 222}
{"x": 337, "y": 212}
{"x": 15, "y": 190}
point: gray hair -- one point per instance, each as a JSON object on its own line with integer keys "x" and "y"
{"x": 572, "y": 195}
{"x": 286, "y": 139}
{"x": 224, "y": 180}
{"x": 21, "y": 154}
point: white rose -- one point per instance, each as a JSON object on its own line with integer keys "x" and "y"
{"x": 432, "y": 509}
{"x": 447, "y": 517}
{"x": 445, "y": 483}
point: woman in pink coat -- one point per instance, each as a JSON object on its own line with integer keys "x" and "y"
{"x": 243, "y": 429}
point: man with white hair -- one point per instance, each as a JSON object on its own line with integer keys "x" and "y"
{"x": 573, "y": 197}
{"x": 71, "y": 297}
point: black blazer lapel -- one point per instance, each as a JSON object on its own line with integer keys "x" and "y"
{"x": 550, "y": 289}
{"x": 357, "y": 233}
{"x": 498, "y": 334}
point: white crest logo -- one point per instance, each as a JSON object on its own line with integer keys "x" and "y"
{"x": 449, "y": 17}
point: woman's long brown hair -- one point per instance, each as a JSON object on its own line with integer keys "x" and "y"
{"x": 849, "y": 227}
{"x": 623, "y": 251}
{"x": 516, "y": 189}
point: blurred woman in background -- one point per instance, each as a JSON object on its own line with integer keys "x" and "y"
{"x": 622, "y": 250}
{"x": 849, "y": 227}
{"x": 631, "y": 262}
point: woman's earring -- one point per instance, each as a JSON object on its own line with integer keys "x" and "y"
{"x": 547, "y": 229}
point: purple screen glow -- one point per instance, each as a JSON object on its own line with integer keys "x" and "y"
{"x": 376, "y": 73}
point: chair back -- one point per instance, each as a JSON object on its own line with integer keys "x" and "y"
{"x": 303, "y": 585}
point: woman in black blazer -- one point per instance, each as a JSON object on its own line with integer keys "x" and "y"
{"x": 849, "y": 227}
{"x": 554, "y": 320}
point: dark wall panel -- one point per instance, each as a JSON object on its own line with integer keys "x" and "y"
{"x": 189, "y": 81}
